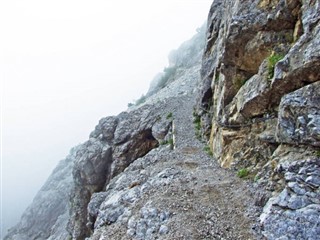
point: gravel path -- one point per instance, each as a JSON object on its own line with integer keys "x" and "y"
{"x": 206, "y": 201}
{"x": 177, "y": 194}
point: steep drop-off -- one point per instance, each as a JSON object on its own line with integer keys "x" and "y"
{"x": 242, "y": 94}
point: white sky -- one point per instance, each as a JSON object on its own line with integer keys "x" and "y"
{"x": 67, "y": 63}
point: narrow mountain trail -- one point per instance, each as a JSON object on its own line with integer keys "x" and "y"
{"x": 207, "y": 201}
{"x": 178, "y": 194}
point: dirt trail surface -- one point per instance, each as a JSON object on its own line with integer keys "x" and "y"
{"x": 176, "y": 194}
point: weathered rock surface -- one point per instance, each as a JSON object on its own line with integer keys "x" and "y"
{"x": 241, "y": 40}
{"x": 114, "y": 144}
{"x": 260, "y": 88}
{"x": 299, "y": 116}
{"x": 294, "y": 213}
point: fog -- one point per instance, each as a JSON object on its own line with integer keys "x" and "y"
{"x": 67, "y": 63}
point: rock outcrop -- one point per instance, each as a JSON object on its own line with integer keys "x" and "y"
{"x": 253, "y": 98}
{"x": 259, "y": 103}
{"x": 113, "y": 145}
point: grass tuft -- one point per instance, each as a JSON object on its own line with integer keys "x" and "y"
{"x": 243, "y": 173}
{"x": 208, "y": 150}
{"x": 169, "y": 115}
{"x": 272, "y": 60}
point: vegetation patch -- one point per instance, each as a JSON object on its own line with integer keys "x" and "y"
{"x": 239, "y": 82}
{"x": 166, "y": 142}
{"x": 208, "y": 150}
{"x": 256, "y": 178}
{"x": 170, "y": 115}
{"x": 242, "y": 173}
{"x": 216, "y": 77}
{"x": 272, "y": 60}
{"x": 197, "y": 124}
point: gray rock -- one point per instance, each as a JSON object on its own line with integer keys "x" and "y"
{"x": 314, "y": 180}
{"x": 131, "y": 232}
{"x": 141, "y": 229}
{"x": 163, "y": 230}
{"x": 149, "y": 213}
{"x": 295, "y": 212}
{"x": 294, "y": 186}
{"x": 114, "y": 144}
{"x": 105, "y": 129}
{"x": 164, "y": 216}
{"x": 300, "y": 104}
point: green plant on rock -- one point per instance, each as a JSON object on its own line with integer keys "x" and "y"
{"x": 242, "y": 173}
{"x": 197, "y": 124}
{"x": 256, "y": 178}
{"x": 239, "y": 82}
{"x": 197, "y": 121}
{"x": 170, "y": 115}
{"x": 166, "y": 142}
{"x": 163, "y": 142}
{"x": 216, "y": 78}
{"x": 272, "y": 60}
{"x": 208, "y": 150}
{"x": 318, "y": 153}
{"x": 170, "y": 141}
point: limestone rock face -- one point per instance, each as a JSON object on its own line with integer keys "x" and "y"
{"x": 92, "y": 166}
{"x": 294, "y": 213}
{"x": 256, "y": 52}
{"x": 299, "y": 116}
{"x": 114, "y": 144}
{"x": 260, "y": 88}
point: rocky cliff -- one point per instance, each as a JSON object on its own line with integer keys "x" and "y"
{"x": 259, "y": 104}
{"x": 243, "y": 94}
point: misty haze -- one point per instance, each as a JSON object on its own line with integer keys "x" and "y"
{"x": 65, "y": 65}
